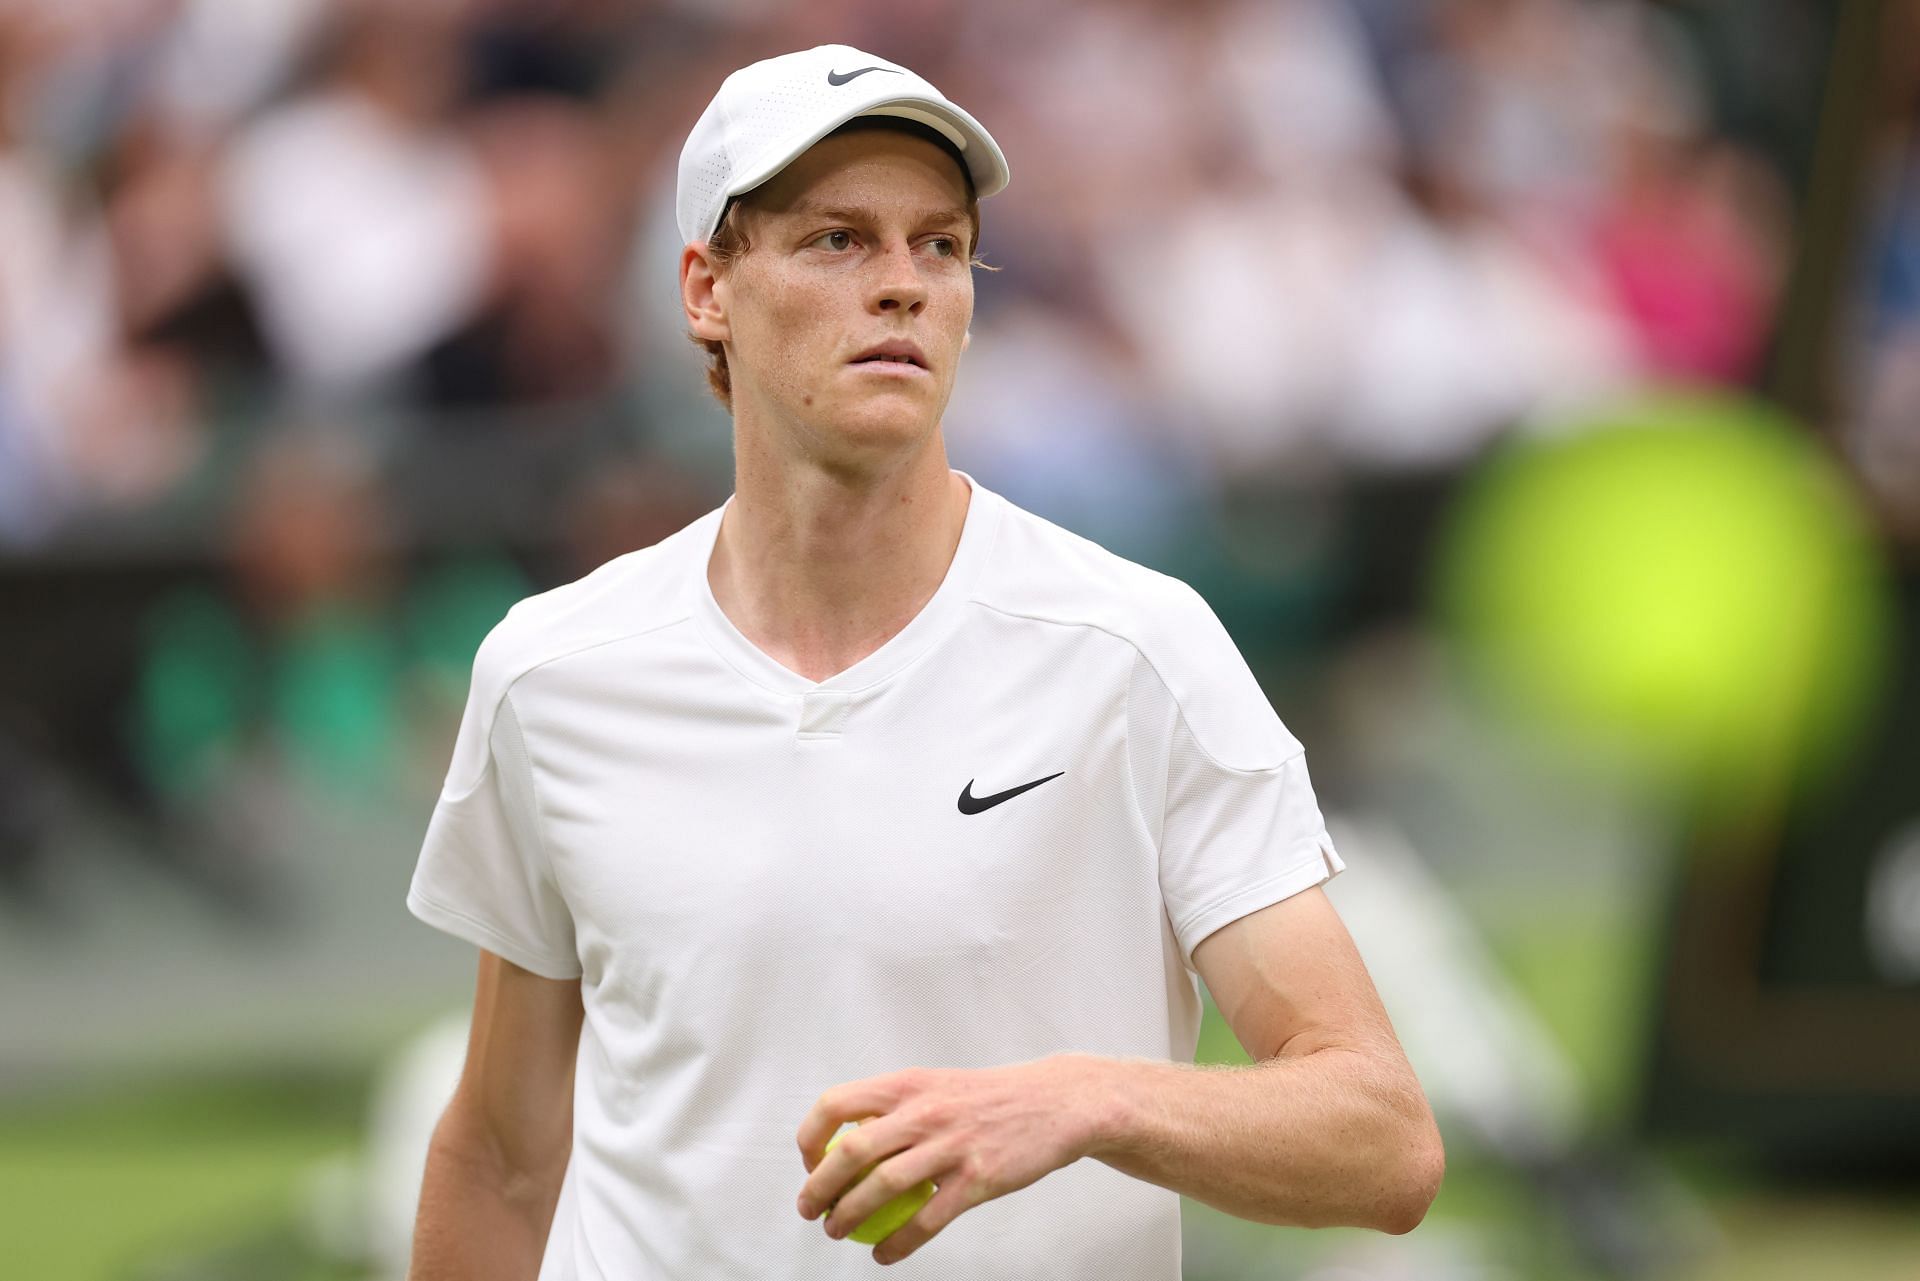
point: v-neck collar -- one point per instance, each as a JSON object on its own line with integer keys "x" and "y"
{"x": 935, "y": 619}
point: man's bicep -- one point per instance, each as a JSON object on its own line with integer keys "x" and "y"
{"x": 515, "y": 1096}
{"x": 1289, "y": 978}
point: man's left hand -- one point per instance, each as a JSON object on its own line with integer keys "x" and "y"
{"x": 978, "y": 1133}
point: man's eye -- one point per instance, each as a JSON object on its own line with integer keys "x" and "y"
{"x": 945, "y": 246}
{"x": 836, "y": 239}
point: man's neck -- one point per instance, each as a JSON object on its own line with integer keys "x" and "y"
{"x": 820, "y": 569}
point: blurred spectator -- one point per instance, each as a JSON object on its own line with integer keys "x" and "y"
{"x": 357, "y": 213}
{"x": 1051, "y": 414}
{"x": 544, "y": 330}
{"x": 219, "y": 60}
{"x": 1692, "y": 239}
{"x": 174, "y": 286}
{"x": 53, "y": 290}
{"x": 564, "y": 48}
{"x": 622, "y": 506}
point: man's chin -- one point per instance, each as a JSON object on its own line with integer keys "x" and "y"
{"x": 881, "y": 417}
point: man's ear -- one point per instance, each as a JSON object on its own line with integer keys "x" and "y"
{"x": 702, "y": 295}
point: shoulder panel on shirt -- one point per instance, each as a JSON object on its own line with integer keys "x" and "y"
{"x": 634, "y": 593}
{"x": 1042, "y": 571}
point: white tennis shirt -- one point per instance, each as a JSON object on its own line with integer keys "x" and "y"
{"x": 768, "y": 885}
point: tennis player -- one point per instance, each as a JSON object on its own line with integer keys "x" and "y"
{"x": 870, "y": 797}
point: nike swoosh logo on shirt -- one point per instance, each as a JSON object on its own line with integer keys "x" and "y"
{"x": 841, "y": 77}
{"x": 971, "y": 804}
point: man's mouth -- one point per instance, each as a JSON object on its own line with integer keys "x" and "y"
{"x": 896, "y": 351}
{"x": 891, "y": 368}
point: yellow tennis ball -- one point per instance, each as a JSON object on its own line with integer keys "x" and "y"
{"x": 892, "y": 1216}
{"x": 1685, "y": 577}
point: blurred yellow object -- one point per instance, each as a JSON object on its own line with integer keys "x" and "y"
{"x": 1686, "y": 578}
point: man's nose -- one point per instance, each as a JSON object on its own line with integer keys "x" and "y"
{"x": 897, "y": 284}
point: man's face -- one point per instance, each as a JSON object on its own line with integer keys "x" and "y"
{"x": 861, "y": 243}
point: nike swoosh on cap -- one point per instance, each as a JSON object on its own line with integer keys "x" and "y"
{"x": 971, "y": 804}
{"x": 841, "y": 77}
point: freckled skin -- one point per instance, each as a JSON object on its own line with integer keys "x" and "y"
{"x": 802, "y": 302}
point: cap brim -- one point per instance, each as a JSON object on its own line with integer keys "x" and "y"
{"x": 986, "y": 164}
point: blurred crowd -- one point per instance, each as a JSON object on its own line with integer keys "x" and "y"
{"x": 1243, "y": 235}
{"x": 376, "y": 301}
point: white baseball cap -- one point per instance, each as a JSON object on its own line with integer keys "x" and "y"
{"x": 767, "y": 114}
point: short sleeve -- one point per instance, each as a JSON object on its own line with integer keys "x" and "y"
{"x": 483, "y": 873}
{"x": 1222, "y": 785}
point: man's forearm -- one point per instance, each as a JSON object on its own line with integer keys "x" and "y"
{"x": 1324, "y": 1139}
{"x": 477, "y": 1223}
